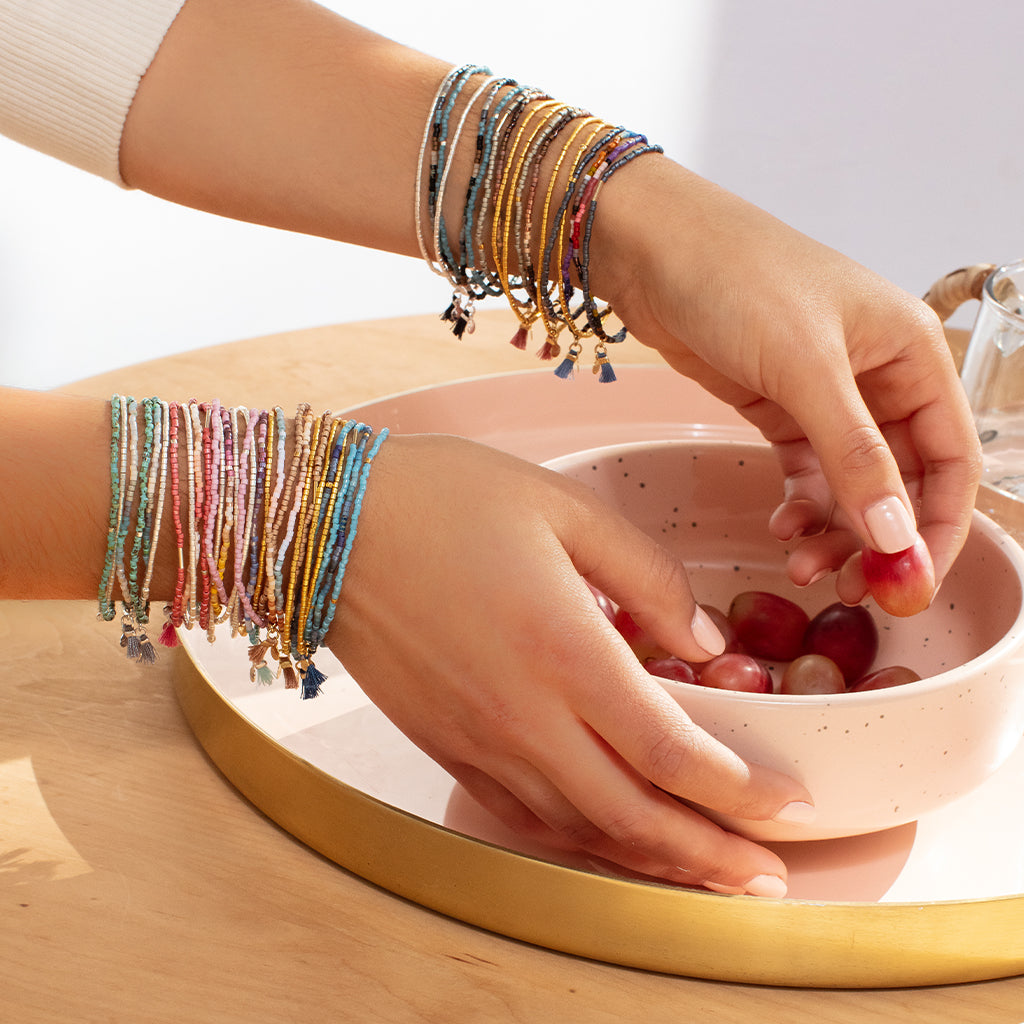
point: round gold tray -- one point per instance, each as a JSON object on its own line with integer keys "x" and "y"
{"x": 638, "y": 923}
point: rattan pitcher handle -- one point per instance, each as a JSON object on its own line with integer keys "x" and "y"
{"x": 949, "y": 293}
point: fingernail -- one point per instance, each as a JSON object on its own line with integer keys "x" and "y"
{"x": 799, "y": 812}
{"x": 816, "y": 578}
{"x": 891, "y": 526}
{"x": 773, "y": 524}
{"x": 705, "y": 632}
{"x": 770, "y": 886}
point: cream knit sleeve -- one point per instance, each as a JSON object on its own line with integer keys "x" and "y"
{"x": 69, "y": 70}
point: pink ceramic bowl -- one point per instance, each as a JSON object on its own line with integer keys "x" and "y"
{"x": 871, "y": 760}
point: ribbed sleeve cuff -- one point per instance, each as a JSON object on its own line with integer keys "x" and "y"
{"x": 69, "y": 70}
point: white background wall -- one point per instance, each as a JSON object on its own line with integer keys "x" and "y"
{"x": 889, "y": 129}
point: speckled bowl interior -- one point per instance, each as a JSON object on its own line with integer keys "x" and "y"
{"x": 871, "y": 760}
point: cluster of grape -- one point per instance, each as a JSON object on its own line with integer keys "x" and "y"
{"x": 832, "y": 653}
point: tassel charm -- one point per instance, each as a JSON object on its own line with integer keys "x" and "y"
{"x": 169, "y": 635}
{"x": 603, "y": 366}
{"x": 460, "y": 312}
{"x": 519, "y": 339}
{"x": 130, "y": 638}
{"x": 147, "y": 652}
{"x": 550, "y": 349}
{"x": 291, "y": 677}
{"x": 567, "y": 366}
{"x": 312, "y": 680}
{"x": 259, "y": 671}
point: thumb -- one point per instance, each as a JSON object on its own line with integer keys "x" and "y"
{"x": 644, "y": 579}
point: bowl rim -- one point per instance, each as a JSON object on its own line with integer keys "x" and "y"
{"x": 1012, "y": 639}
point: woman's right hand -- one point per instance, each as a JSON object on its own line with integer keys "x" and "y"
{"x": 849, "y": 377}
{"x": 466, "y": 618}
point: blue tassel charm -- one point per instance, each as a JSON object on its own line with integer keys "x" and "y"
{"x": 567, "y": 366}
{"x": 312, "y": 680}
{"x": 602, "y": 366}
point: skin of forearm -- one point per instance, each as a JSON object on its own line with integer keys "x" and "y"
{"x": 55, "y": 481}
{"x": 283, "y": 113}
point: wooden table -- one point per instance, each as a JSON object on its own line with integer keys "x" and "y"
{"x": 138, "y": 886}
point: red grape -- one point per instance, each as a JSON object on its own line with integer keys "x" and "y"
{"x": 902, "y": 583}
{"x": 676, "y": 669}
{"x": 848, "y": 636}
{"x": 767, "y": 625}
{"x": 736, "y": 672}
{"x": 812, "y": 674}
{"x": 883, "y": 678}
{"x": 644, "y": 646}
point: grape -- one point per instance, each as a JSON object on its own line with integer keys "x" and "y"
{"x": 603, "y": 602}
{"x": 673, "y": 668}
{"x": 848, "y": 636}
{"x": 883, "y": 678}
{"x": 811, "y": 674}
{"x": 902, "y": 583}
{"x": 767, "y": 625}
{"x": 643, "y": 645}
{"x": 736, "y": 672}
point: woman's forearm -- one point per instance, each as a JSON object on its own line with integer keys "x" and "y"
{"x": 283, "y": 113}
{"x": 55, "y": 480}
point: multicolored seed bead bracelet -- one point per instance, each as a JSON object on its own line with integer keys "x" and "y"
{"x": 259, "y": 551}
{"x": 516, "y": 160}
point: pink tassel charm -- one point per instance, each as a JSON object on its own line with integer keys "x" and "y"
{"x": 169, "y": 635}
{"x": 519, "y": 339}
{"x": 549, "y": 350}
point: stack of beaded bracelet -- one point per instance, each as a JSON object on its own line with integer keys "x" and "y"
{"x": 531, "y": 264}
{"x": 287, "y": 531}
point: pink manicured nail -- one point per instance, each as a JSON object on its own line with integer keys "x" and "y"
{"x": 769, "y": 886}
{"x": 892, "y": 527}
{"x": 705, "y": 632}
{"x": 799, "y": 812}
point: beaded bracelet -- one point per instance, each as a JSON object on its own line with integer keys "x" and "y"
{"x": 245, "y": 517}
{"x": 515, "y": 132}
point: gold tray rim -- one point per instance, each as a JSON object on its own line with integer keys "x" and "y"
{"x": 795, "y": 943}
